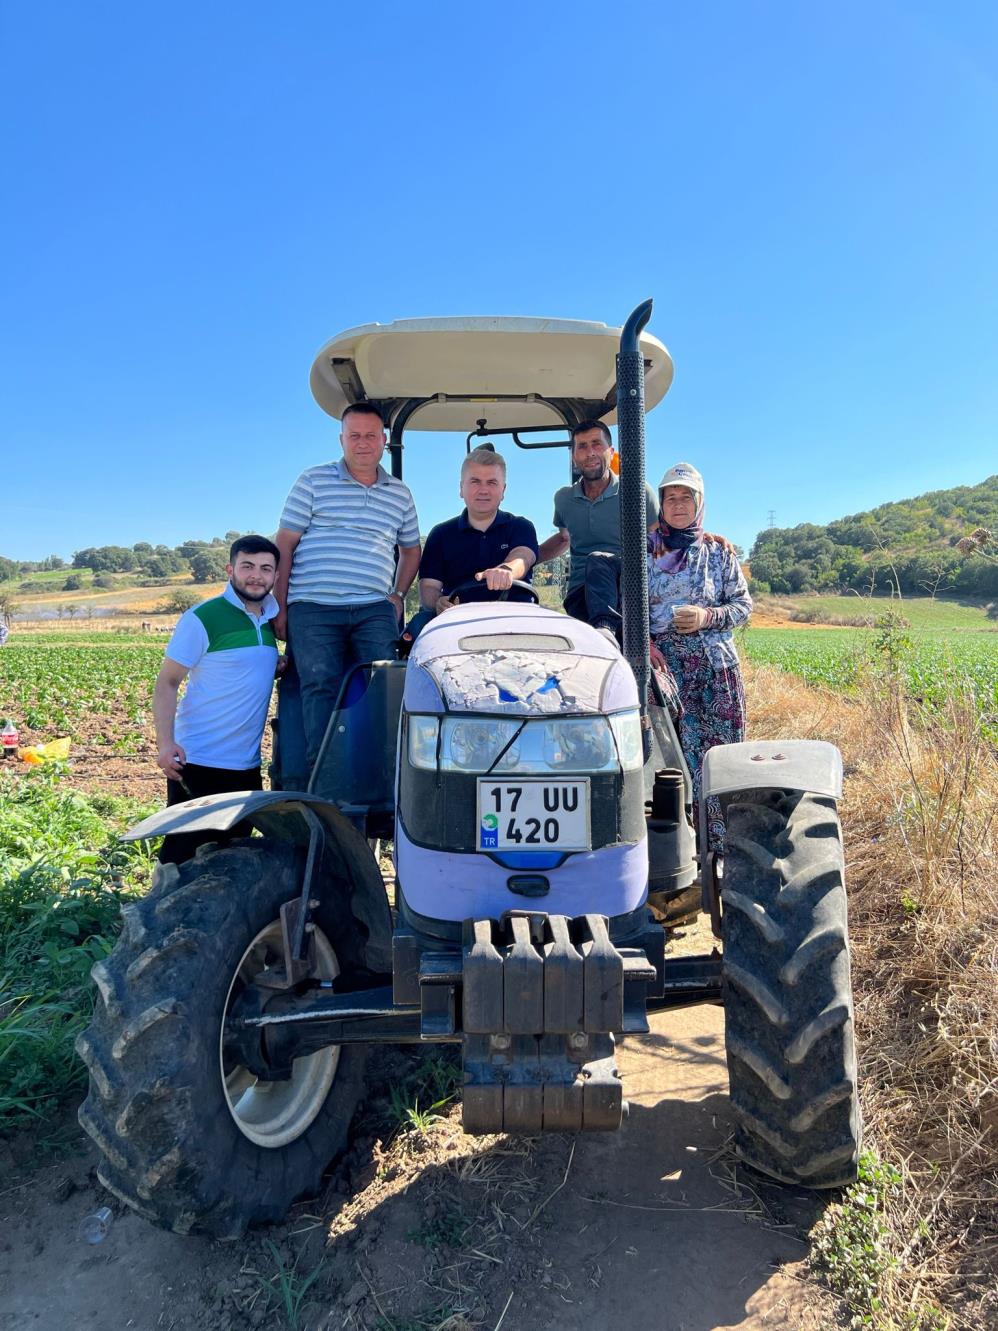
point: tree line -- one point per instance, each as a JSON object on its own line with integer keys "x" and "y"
{"x": 909, "y": 546}
{"x": 205, "y": 561}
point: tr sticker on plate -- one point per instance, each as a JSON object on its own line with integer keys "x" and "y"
{"x": 533, "y": 814}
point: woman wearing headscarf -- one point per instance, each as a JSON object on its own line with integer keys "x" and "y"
{"x": 697, "y": 596}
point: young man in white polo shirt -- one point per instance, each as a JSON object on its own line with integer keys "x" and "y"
{"x": 210, "y": 743}
{"x": 338, "y": 585}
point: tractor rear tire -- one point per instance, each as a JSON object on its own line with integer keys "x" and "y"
{"x": 787, "y": 989}
{"x": 188, "y": 1141}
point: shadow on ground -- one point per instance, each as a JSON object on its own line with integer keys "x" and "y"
{"x": 655, "y": 1226}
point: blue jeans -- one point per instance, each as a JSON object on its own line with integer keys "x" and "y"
{"x": 325, "y": 641}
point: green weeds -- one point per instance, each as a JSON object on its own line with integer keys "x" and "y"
{"x": 442, "y": 1232}
{"x": 858, "y": 1247}
{"x": 412, "y": 1118}
{"x": 62, "y": 883}
{"x": 288, "y": 1287}
{"x": 433, "y": 1083}
{"x": 852, "y": 1242}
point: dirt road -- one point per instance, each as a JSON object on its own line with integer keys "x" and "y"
{"x": 653, "y": 1227}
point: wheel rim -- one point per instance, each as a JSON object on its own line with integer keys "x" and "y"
{"x": 275, "y": 1113}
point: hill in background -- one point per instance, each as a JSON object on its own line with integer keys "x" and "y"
{"x": 203, "y": 561}
{"x": 907, "y": 547}
{"x": 113, "y": 580}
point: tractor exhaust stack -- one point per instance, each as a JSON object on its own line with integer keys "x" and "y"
{"x": 633, "y": 517}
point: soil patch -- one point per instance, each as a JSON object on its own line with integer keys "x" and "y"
{"x": 656, "y": 1225}
{"x": 96, "y": 764}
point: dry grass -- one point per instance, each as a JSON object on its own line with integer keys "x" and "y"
{"x": 920, "y": 816}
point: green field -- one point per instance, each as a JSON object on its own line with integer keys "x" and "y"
{"x": 922, "y": 612}
{"x": 934, "y": 664}
{"x": 84, "y": 636}
{"x": 89, "y": 636}
{"x": 51, "y": 579}
{"x": 51, "y": 680}
{"x": 49, "y": 684}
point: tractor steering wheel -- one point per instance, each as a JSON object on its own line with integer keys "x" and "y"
{"x": 473, "y": 584}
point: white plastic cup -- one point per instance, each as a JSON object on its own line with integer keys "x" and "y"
{"x": 94, "y": 1228}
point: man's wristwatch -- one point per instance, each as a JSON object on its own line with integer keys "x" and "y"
{"x": 507, "y": 567}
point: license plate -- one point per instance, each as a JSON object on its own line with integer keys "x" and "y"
{"x": 533, "y": 815}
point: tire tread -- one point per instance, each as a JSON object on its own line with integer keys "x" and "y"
{"x": 788, "y": 998}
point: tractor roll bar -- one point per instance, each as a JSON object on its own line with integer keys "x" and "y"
{"x": 398, "y": 412}
{"x": 515, "y": 433}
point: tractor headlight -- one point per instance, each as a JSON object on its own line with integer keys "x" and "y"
{"x": 424, "y": 732}
{"x": 579, "y": 745}
{"x": 508, "y": 744}
{"x": 463, "y": 745}
{"x": 626, "y": 727}
{"x": 474, "y": 746}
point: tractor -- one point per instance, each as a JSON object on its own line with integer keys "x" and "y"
{"x": 528, "y": 775}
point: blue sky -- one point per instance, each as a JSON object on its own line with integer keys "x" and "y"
{"x": 197, "y": 197}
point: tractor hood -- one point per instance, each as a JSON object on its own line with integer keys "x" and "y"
{"x": 462, "y": 369}
{"x": 515, "y": 660}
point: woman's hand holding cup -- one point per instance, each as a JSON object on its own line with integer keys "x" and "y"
{"x": 689, "y": 618}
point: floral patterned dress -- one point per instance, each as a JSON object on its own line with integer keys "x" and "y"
{"x": 704, "y": 665}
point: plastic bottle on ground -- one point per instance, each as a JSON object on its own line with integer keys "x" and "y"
{"x": 9, "y": 739}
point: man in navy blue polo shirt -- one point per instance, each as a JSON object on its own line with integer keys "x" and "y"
{"x": 483, "y": 544}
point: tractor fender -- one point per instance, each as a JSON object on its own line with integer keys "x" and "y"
{"x": 784, "y": 764}
{"x": 808, "y": 765}
{"x": 277, "y": 813}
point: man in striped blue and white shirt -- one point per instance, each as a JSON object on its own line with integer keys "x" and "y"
{"x": 340, "y": 591}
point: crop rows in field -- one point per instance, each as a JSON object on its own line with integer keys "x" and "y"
{"x": 934, "y": 663}
{"x": 53, "y": 688}
{"x": 87, "y": 637}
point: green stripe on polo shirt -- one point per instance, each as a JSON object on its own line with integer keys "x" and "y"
{"x": 228, "y": 627}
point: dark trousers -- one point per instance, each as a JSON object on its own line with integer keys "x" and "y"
{"x": 325, "y": 641}
{"x": 597, "y": 599}
{"x": 198, "y": 781}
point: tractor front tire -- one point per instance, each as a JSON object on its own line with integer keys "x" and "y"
{"x": 188, "y": 1140}
{"x": 787, "y": 989}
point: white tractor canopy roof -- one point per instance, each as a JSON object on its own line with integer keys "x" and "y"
{"x": 513, "y": 372}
